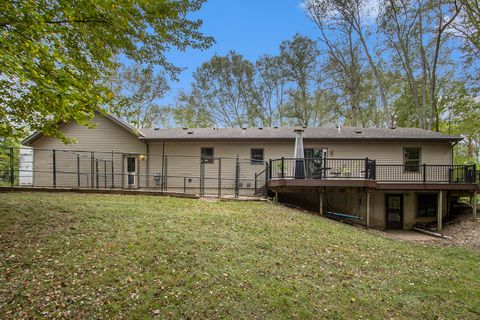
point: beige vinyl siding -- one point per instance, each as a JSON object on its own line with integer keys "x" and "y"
{"x": 183, "y": 159}
{"x": 382, "y": 152}
{"x": 183, "y": 166}
{"x": 106, "y": 137}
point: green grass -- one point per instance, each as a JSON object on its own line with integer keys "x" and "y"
{"x": 115, "y": 256}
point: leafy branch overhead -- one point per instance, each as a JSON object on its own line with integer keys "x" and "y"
{"x": 56, "y": 55}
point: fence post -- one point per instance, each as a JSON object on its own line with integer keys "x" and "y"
{"x": 282, "y": 167}
{"x": 78, "y": 171}
{"x": 366, "y": 168}
{"x": 113, "y": 174}
{"x": 202, "y": 177}
{"x": 92, "y": 170}
{"x": 424, "y": 172}
{"x": 12, "y": 170}
{"x": 96, "y": 174}
{"x": 237, "y": 177}
{"x": 184, "y": 184}
{"x": 219, "y": 177}
{"x": 105, "y": 172}
{"x": 267, "y": 168}
{"x": 166, "y": 174}
{"x": 54, "y": 168}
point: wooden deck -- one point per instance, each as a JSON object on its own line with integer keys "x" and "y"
{"x": 298, "y": 185}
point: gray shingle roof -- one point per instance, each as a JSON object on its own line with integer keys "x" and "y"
{"x": 346, "y": 133}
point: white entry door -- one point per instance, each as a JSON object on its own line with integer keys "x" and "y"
{"x": 131, "y": 170}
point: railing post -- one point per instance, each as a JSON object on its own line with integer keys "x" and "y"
{"x": 424, "y": 172}
{"x": 366, "y": 169}
{"x": 12, "y": 170}
{"x": 219, "y": 177}
{"x": 465, "y": 173}
{"x": 282, "y": 166}
{"x": 237, "y": 177}
{"x": 184, "y": 184}
{"x": 270, "y": 168}
{"x": 266, "y": 177}
{"x": 474, "y": 173}
{"x": 54, "y": 168}
{"x": 78, "y": 171}
{"x": 374, "y": 175}
{"x": 255, "y": 182}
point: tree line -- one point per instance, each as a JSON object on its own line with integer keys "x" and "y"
{"x": 412, "y": 63}
{"x": 408, "y": 63}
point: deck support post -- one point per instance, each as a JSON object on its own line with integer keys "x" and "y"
{"x": 276, "y": 198}
{"x": 321, "y": 204}
{"x": 439, "y": 212}
{"x": 367, "y": 220}
{"x": 473, "y": 200}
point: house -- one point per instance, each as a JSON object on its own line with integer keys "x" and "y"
{"x": 386, "y": 177}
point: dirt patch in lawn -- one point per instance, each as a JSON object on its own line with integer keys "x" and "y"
{"x": 465, "y": 232}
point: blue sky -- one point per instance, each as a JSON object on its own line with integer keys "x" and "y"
{"x": 249, "y": 27}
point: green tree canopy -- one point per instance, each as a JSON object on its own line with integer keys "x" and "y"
{"x": 55, "y": 55}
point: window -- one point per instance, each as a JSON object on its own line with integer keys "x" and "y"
{"x": 207, "y": 155}
{"x": 314, "y": 153}
{"x": 426, "y": 205}
{"x": 411, "y": 159}
{"x": 256, "y": 156}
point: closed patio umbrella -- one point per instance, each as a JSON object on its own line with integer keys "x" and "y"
{"x": 299, "y": 169}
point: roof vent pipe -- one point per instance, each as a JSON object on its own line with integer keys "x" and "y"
{"x": 184, "y": 128}
{"x": 339, "y": 129}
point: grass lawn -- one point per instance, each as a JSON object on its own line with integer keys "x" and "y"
{"x": 116, "y": 256}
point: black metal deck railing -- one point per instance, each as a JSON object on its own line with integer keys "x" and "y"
{"x": 367, "y": 169}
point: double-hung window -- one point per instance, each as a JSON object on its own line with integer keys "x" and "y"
{"x": 411, "y": 159}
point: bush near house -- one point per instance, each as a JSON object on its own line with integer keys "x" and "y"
{"x": 116, "y": 256}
